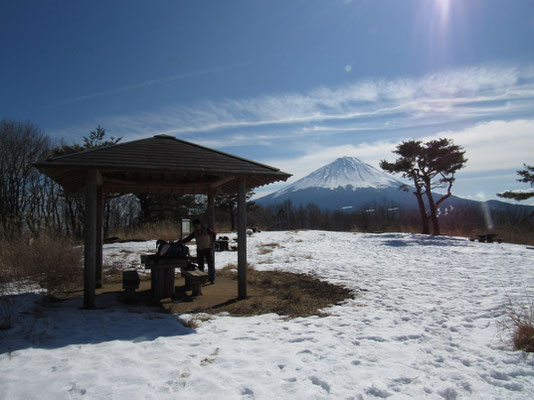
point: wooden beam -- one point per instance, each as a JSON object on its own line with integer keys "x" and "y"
{"x": 242, "y": 240}
{"x": 90, "y": 234}
{"x": 155, "y": 184}
{"x": 112, "y": 188}
{"x": 221, "y": 181}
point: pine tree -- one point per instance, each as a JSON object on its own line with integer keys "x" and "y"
{"x": 429, "y": 165}
{"x": 527, "y": 175}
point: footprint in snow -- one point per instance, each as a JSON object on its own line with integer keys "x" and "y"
{"x": 374, "y": 391}
{"x": 302, "y": 339}
{"x": 76, "y": 390}
{"x": 247, "y": 393}
{"x": 321, "y": 383}
{"x": 373, "y": 338}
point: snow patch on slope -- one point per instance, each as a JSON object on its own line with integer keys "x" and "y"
{"x": 345, "y": 172}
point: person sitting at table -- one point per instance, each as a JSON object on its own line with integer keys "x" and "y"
{"x": 205, "y": 238}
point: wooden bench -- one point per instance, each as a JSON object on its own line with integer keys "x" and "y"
{"x": 162, "y": 271}
{"x": 130, "y": 282}
{"x": 194, "y": 280}
{"x": 221, "y": 245}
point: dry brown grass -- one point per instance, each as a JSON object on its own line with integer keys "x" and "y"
{"x": 523, "y": 338}
{"x": 266, "y": 261}
{"x": 518, "y": 324}
{"x": 191, "y": 323}
{"x": 272, "y": 244}
{"x": 55, "y": 264}
{"x": 523, "y": 236}
{"x": 112, "y": 273}
{"x": 284, "y": 293}
{"x": 163, "y": 230}
{"x": 51, "y": 263}
{"x": 266, "y": 248}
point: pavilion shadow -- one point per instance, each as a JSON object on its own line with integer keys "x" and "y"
{"x": 49, "y": 324}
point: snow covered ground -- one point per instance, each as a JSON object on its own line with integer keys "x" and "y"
{"x": 423, "y": 324}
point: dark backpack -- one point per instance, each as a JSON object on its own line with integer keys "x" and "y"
{"x": 172, "y": 249}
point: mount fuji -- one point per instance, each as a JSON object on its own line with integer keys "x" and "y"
{"x": 346, "y": 183}
{"x": 351, "y": 184}
{"x": 345, "y": 172}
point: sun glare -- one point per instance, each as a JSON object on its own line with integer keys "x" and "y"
{"x": 443, "y": 10}
{"x": 434, "y": 27}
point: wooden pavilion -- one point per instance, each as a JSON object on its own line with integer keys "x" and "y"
{"x": 160, "y": 164}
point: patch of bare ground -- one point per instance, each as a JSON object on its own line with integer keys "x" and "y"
{"x": 284, "y": 293}
{"x": 287, "y": 294}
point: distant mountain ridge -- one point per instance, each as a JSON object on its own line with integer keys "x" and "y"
{"x": 349, "y": 183}
{"x": 344, "y": 172}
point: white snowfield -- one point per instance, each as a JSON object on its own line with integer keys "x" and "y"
{"x": 423, "y": 323}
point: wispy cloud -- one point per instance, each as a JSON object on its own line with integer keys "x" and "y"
{"x": 440, "y": 98}
{"x": 495, "y": 145}
{"x": 491, "y": 147}
{"x": 139, "y": 85}
{"x": 486, "y": 109}
{"x": 477, "y": 106}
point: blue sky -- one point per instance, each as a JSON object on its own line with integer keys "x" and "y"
{"x": 294, "y": 84}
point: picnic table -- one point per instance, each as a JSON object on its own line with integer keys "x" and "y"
{"x": 162, "y": 272}
{"x": 487, "y": 238}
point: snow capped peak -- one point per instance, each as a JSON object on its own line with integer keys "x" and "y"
{"x": 345, "y": 172}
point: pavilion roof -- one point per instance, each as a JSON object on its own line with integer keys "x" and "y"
{"x": 160, "y": 164}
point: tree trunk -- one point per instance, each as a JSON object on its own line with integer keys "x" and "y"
{"x": 432, "y": 208}
{"x": 422, "y": 211}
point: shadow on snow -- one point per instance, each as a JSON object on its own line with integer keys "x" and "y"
{"x": 42, "y": 323}
{"x": 403, "y": 240}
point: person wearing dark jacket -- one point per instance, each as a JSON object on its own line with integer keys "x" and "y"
{"x": 205, "y": 238}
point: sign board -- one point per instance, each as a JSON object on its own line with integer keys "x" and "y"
{"x": 186, "y": 227}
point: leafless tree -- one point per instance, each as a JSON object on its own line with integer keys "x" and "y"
{"x": 21, "y": 145}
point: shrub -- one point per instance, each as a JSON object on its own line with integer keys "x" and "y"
{"x": 523, "y": 338}
{"x": 12, "y": 282}
{"x": 7, "y": 305}
{"x": 7, "y": 312}
{"x": 519, "y": 324}
{"x": 191, "y": 323}
{"x": 56, "y": 264}
{"x": 50, "y": 262}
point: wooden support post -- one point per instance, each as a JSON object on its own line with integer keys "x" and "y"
{"x": 99, "y": 236}
{"x": 211, "y": 208}
{"x": 90, "y": 234}
{"x": 211, "y": 218}
{"x": 242, "y": 240}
